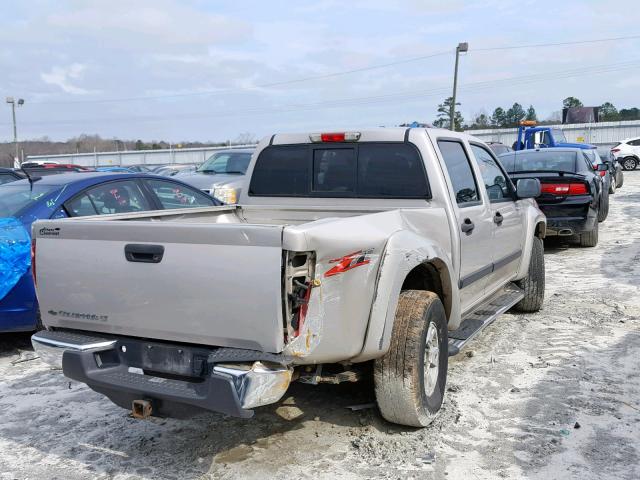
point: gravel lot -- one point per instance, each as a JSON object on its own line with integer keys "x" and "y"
{"x": 548, "y": 395}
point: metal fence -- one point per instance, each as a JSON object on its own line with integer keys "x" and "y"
{"x": 136, "y": 157}
{"x": 602, "y": 134}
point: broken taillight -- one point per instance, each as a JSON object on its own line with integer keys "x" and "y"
{"x": 298, "y": 282}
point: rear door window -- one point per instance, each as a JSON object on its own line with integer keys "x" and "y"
{"x": 462, "y": 178}
{"x": 118, "y": 197}
{"x": 367, "y": 170}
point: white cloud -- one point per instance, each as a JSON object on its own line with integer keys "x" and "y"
{"x": 62, "y": 77}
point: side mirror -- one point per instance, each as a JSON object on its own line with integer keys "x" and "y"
{"x": 603, "y": 167}
{"x": 528, "y": 188}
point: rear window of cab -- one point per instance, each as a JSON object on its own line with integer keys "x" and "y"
{"x": 366, "y": 170}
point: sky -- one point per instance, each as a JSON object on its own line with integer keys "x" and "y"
{"x": 199, "y": 70}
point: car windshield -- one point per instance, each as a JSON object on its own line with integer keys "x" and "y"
{"x": 539, "y": 161}
{"x": 15, "y": 197}
{"x": 228, "y": 162}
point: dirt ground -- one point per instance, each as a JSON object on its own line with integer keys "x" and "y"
{"x": 553, "y": 395}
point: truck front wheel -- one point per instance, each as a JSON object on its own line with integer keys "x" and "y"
{"x": 410, "y": 378}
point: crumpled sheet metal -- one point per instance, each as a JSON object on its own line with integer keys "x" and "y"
{"x": 15, "y": 253}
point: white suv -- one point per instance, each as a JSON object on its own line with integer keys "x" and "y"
{"x": 627, "y": 153}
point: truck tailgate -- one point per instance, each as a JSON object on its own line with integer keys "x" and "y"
{"x": 210, "y": 284}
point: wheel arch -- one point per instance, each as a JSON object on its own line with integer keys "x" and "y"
{"x": 409, "y": 263}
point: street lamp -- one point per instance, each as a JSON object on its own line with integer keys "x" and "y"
{"x": 20, "y": 102}
{"x": 461, "y": 48}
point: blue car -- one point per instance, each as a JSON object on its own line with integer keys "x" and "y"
{"x": 69, "y": 195}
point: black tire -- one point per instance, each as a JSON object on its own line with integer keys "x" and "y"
{"x": 603, "y": 211}
{"x": 399, "y": 376}
{"x": 533, "y": 283}
{"x": 629, "y": 163}
{"x": 590, "y": 239}
{"x": 612, "y": 184}
{"x": 621, "y": 182}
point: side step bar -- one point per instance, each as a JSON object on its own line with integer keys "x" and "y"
{"x": 483, "y": 316}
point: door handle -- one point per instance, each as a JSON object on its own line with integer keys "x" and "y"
{"x": 498, "y": 218}
{"x": 142, "y": 253}
{"x": 467, "y": 226}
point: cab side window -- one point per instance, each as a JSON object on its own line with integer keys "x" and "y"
{"x": 463, "y": 181}
{"x": 495, "y": 181}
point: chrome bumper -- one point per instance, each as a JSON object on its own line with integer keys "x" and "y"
{"x": 50, "y": 346}
{"x": 257, "y": 384}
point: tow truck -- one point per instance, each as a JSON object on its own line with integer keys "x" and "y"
{"x": 531, "y": 137}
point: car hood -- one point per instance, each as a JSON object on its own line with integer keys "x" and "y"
{"x": 204, "y": 181}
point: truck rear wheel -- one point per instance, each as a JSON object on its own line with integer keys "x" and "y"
{"x": 590, "y": 239}
{"x": 533, "y": 283}
{"x": 410, "y": 378}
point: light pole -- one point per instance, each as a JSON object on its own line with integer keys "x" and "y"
{"x": 462, "y": 47}
{"x": 20, "y": 102}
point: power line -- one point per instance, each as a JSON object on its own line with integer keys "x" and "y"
{"x": 329, "y": 75}
{"x": 557, "y": 44}
{"x": 472, "y": 87}
{"x": 255, "y": 87}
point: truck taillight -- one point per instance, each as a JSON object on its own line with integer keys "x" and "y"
{"x": 33, "y": 261}
{"x": 298, "y": 282}
{"x": 334, "y": 137}
{"x": 602, "y": 173}
{"x": 565, "y": 188}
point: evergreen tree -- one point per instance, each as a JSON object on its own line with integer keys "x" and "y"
{"x": 531, "y": 114}
{"x": 498, "y": 118}
{"x": 571, "y": 102}
{"x": 608, "y": 113}
{"x": 444, "y": 112}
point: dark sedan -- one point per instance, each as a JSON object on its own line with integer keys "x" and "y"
{"x": 572, "y": 190}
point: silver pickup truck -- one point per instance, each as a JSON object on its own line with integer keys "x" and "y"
{"x": 351, "y": 254}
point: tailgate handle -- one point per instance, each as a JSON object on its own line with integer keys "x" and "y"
{"x": 142, "y": 253}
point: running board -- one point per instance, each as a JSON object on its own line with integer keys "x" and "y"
{"x": 484, "y": 315}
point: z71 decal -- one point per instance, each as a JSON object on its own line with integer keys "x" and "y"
{"x": 348, "y": 262}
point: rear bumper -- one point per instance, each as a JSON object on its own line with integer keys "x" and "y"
{"x": 100, "y": 362}
{"x": 564, "y": 226}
